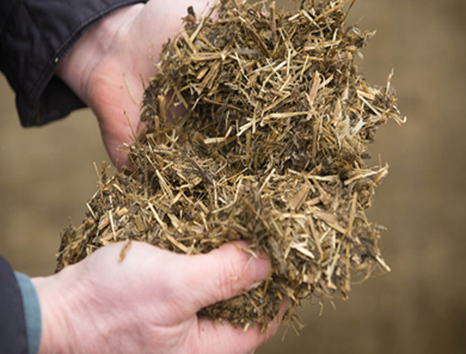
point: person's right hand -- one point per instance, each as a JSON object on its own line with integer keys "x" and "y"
{"x": 148, "y": 302}
{"x": 105, "y": 67}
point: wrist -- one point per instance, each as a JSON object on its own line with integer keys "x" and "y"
{"x": 96, "y": 44}
{"x": 61, "y": 304}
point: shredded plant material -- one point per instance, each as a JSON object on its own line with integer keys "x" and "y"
{"x": 258, "y": 125}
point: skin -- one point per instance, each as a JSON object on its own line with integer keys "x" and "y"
{"x": 148, "y": 302}
{"x": 104, "y": 68}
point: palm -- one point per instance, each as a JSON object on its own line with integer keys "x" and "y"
{"x": 164, "y": 311}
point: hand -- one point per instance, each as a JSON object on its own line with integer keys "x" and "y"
{"x": 105, "y": 67}
{"x": 148, "y": 302}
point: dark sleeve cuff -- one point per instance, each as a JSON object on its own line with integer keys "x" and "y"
{"x": 32, "y": 313}
{"x": 33, "y": 39}
{"x": 13, "y": 335}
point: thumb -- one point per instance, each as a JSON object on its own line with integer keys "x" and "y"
{"x": 222, "y": 274}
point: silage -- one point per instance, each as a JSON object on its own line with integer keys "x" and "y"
{"x": 258, "y": 128}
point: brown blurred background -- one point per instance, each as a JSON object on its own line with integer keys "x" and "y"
{"x": 47, "y": 176}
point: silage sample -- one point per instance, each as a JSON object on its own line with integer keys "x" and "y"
{"x": 271, "y": 149}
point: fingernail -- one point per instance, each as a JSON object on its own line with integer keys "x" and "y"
{"x": 260, "y": 269}
{"x": 256, "y": 285}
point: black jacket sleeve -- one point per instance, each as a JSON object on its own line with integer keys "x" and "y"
{"x": 34, "y": 36}
{"x": 13, "y": 335}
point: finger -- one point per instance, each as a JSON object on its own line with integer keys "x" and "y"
{"x": 216, "y": 337}
{"x": 221, "y": 275}
{"x": 224, "y": 338}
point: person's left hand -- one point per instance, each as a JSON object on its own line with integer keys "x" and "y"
{"x": 148, "y": 302}
{"x": 107, "y": 66}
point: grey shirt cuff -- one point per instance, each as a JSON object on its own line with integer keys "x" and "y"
{"x": 31, "y": 311}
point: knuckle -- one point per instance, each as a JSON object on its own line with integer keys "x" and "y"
{"x": 228, "y": 276}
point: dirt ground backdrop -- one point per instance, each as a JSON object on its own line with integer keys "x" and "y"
{"x": 47, "y": 175}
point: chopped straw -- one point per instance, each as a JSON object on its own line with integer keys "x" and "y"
{"x": 270, "y": 149}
